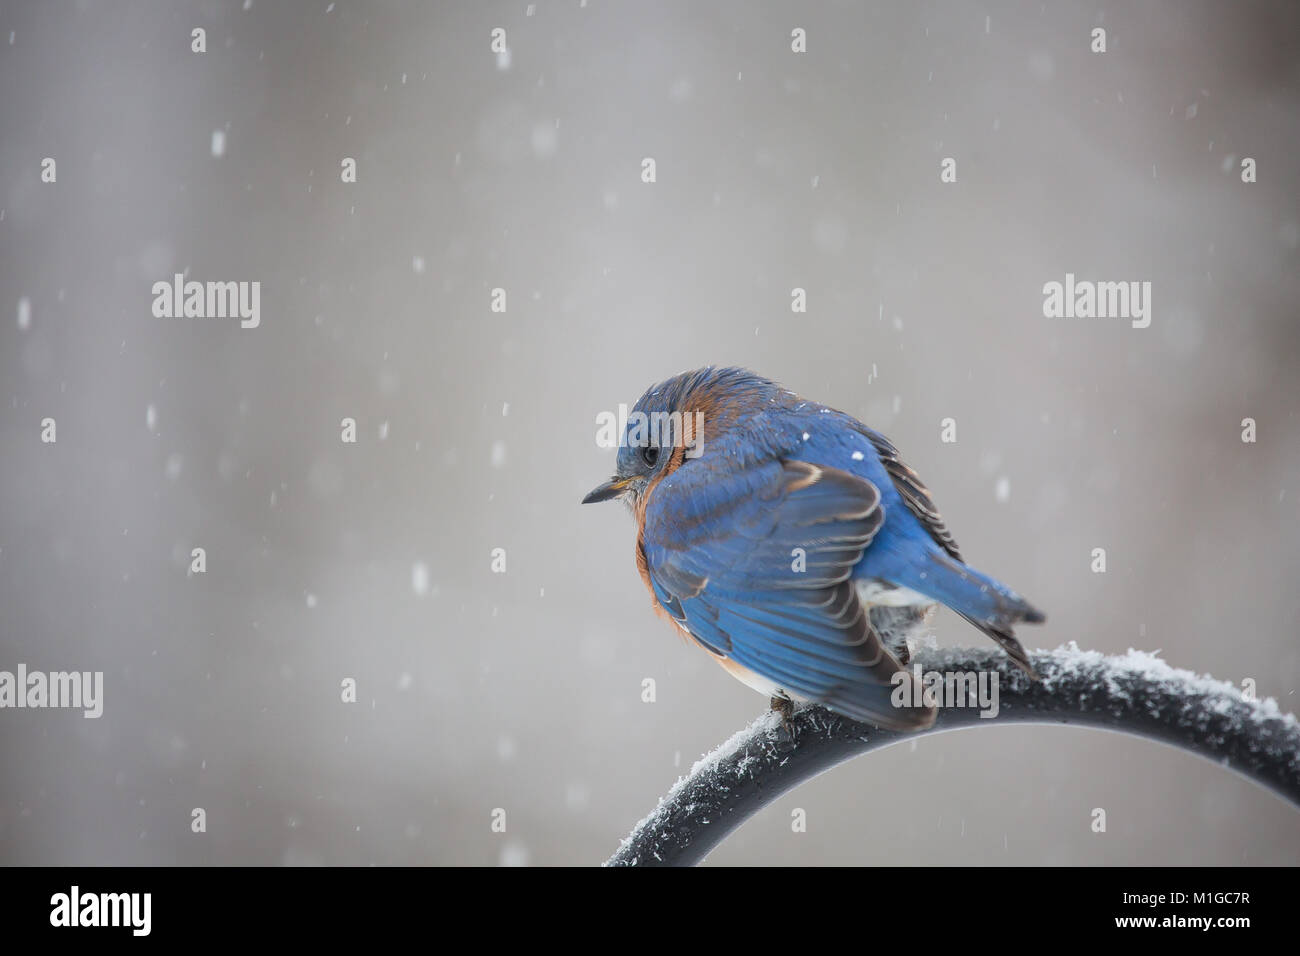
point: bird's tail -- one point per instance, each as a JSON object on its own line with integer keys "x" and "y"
{"x": 988, "y": 604}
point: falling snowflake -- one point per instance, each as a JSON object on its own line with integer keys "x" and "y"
{"x": 420, "y": 578}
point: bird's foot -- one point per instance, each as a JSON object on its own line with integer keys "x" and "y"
{"x": 785, "y": 707}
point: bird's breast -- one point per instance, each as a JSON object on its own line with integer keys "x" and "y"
{"x": 754, "y": 680}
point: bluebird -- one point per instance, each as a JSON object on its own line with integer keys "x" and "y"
{"x": 792, "y": 543}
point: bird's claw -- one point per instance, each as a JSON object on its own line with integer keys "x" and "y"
{"x": 785, "y": 707}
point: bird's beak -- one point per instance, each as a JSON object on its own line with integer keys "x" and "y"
{"x": 610, "y": 489}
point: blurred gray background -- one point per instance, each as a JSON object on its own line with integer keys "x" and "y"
{"x": 476, "y": 430}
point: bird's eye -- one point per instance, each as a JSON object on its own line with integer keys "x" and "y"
{"x": 650, "y": 455}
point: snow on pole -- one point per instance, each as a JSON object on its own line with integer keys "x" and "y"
{"x": 1136, "y": 694}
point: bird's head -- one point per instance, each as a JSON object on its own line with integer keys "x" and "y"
{"x": 645, "y": 453}
{"x": 671, "y": 424}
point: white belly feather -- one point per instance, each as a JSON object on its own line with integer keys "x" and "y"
{"x": 887, "y": 595}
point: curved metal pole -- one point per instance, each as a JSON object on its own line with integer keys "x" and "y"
{"x": 1135, "y": 694}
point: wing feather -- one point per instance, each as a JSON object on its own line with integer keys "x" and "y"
{"x": 756, "y": 564}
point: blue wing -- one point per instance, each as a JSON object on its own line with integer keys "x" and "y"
{"x": 756, "y": 563}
